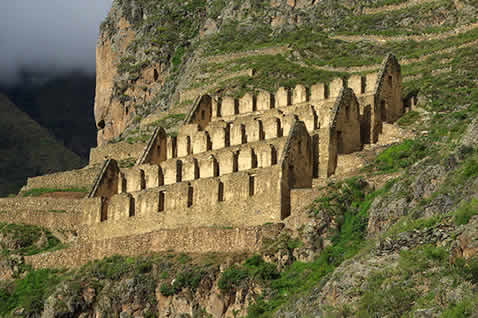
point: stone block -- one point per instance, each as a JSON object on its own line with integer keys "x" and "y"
{"x": 227, "y": 162}
{"x": 370, "y": 82}
{"x": 190, "y": 169}
{"x": 335, "y": 86}
{"x": 254, "y": 131}
{"x": 355, "y": 83}
{"x": 282, "y": 97}
{"x": 228, "y": 106}
{"x": 208, "y": 167}
{"x": 300, "y": 94}
{"x": 172, "y": 171}
{"x": 247, "y": 104}
{"x": 246, "y": 159}
{"x": 271, "y": 128}
{"x": 318, "y": 92}
{"x": 238, "y": 134}
{"x": 201, "y": 142}
{"x": 153, "y": 176}
{"x": 265, "y": 101}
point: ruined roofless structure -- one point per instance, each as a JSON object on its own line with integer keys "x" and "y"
{"x": 236, "y": 163}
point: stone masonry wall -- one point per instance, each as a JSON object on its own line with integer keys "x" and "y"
{"x": 82, "y": 178}
{"x": 118, "y": 151}
{"x": 45, "y": 212}
{"x": 188, "y": 240}
{"x": 203, "y": 202}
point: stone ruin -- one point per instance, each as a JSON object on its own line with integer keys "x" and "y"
{"x": 236, "y": 163}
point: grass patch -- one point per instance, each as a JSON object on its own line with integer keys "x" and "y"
{"x": 29, "y": 293}
{"x": 40, "y": 191}
{"x": 170, "y": 121}
{"x": 466, "y": 211}
{"x": 401, "y": 155}
{"x": 254, "y": 268}
{"x": 408, "y": 119}
{"x": 26, "y": 239}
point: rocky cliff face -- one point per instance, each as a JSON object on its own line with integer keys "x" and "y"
{"x": 149, "y": 53}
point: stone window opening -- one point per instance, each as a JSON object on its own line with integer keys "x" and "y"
{"x": 273, "y": 101}
{"x": 262, "y": 134}
{"x": 220, "y": 192}
{"x": 160, "y": 177}
{"x": 236, "y": 107}
{"x": 104, "y": 209}
{"x": 179, "y": 171}
{"x": 142, "y": 179}
{"x": 228, "y": 136}
{"x": 219, "y": 108}
{"x": 188, "y": 145}
{"x": 132, "y": 207}
{"x": 251, "y": 185}
{"x": 363, "y": 84}
{"x": 254, "y": 159}
{"x": 299, "y": 147}
{"x": 390, "y": 80}
{"x": 161, "y": 202}
{"x": 243, "y": 135}
{"x": 156, "y": 75}
{"x": 347, "y": 113}
{"x": 235, "y": 160}
{"x": 190, "y": 195}
{"x": 127, "y": 110}
{"x": 254, "y": 103}
{"x": 197, "y": 173}
{"x": 216, "y": 170}
{"x": 174, "y": 147}
{"x": 203, "y": 114}
{"x": 273, "y": 156}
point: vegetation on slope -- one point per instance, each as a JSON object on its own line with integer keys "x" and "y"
{"x": 28, "y": 150}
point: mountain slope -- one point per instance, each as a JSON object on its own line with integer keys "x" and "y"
{"x": 61, "y": 103}
{"x": 27, "y": 149}
{"x": 397, "y": 240}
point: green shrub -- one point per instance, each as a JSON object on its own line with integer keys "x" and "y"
{"x": 409, "y": 118}
{"x": 467, "y": 269}
{"x": 112, "y": 268}
{"x": 462, "y": 309}
{"x": 464, "y": 213}
{"x": 232, "y": 278}
{"x": 188, "y": 278}
{"x": 167, "y": 290}
{"x": 29, "y": 292}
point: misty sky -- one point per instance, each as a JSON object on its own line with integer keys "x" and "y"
{"x": 57, "y": 35}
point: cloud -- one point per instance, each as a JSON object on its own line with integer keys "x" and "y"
{"x": 49, "y": 35}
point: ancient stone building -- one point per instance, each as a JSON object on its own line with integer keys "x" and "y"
{"x": 237, "y": 163}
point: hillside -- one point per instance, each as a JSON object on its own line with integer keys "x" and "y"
{"x": 27, "y": 149}
{"x": 63, "y": 104}
{"x": 398, "y": 239}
